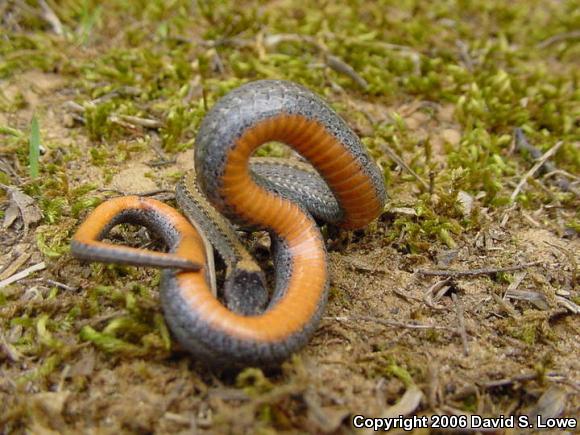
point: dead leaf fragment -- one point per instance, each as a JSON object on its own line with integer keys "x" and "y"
{"x": 550, "y": 404}
{"x": 23, "y": 205}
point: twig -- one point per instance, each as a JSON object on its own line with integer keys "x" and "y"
{"x": 530, "y": 219}
{"x": 22, "y": 274}
{"x": 475, "y": 272}
{"x": 342, "y": 67}
{"x": 73, "y": 106}
{"x": 522, "y": 144}
{"x": 399, "y": 161}
{"x": 334, "y": 62}
{"x": 122, "y": 91}
{"x": 563, "y": 174}
{"x": 60, "y": 285}
{"x": 518, "y": 378}
{"x": 275, "y": 39}
{"x": 568, "y": 304}
{"x": 461, "y": 321}
{"x": 390, "y": 323}
{"x": 535, "y": 168}
{"x": 559, "y": 38}
{"x": 127, "y": 121}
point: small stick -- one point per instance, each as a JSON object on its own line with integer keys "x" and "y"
{"x": 60, "y": 285}
{"x": 74, "y": 107}
{"x": 559, "y": 38}
{"x": 563, "y": 173}
{"x": 461, "y": 321}
{"x": 399, "y": 161}
{"x": 548, "y": 167}
{"x": 535, "y": 168}
{"x": 475, "y": 272}
{"x": 342, "y": 67}
{"x": 390, "y": 323}
{"x": 54, "y": 283}
{"x": 517, "y": 378}
{"x": 22, "y": 274}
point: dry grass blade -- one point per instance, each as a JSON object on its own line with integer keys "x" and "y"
{"x": 399, "y": 161}
{"x": 436, "y": 292}
{"x": 548, "y": 154}
{"x": 461, "y": 320}
{"x": 14, "y": 266}
{"x": 559, "y": 38}
{"x": 23, "y": 274}
{"x": 49, "y": 15}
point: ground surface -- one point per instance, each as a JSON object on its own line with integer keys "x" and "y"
{"x": 435, "y": 89}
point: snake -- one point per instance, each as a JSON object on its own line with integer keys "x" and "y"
{"x": 336, "y": 181}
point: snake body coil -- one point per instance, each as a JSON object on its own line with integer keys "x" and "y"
{"x": 281, "y": 198}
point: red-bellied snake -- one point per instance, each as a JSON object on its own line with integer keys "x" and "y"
{"x": 342, "y": 186}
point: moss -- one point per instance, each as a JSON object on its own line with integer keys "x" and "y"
{"x": 400, "y": 373}
{"x": 484, "y": 62}
{"x": 108, "y": 343}
{"x": 253, "y": 382}
{"x": 52, "y": 241}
